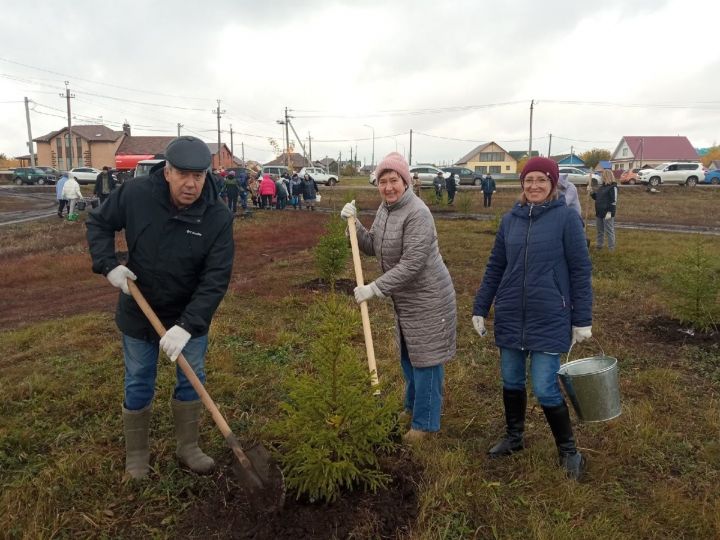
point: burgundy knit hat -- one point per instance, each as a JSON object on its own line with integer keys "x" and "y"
{"x": 394, "y": 162}
{"x": 543, "y": 165}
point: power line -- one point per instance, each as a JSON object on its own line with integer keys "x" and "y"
{"x": 65, "y": 75}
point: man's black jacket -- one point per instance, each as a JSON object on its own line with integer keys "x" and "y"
{"x": 182, "y": 258}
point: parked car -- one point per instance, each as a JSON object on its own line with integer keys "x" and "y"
{"x": 687, "y": 173}
{"x": 580, "y": 177}
{"x": 85, "y": 175}
{"x": 467, "y": 176}
{"x": 712, "y": 177}
{"x": 629, "y": 177}
{"x": 426, "y": 173}
{"x": 50, "y": 170}
{"x": 144, "y": 165}
{"x": 319, "y": 175}
{"x": 30, "y": 175}
{"x": 274, "y": 170}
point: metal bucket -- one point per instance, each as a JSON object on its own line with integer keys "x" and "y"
{"x": 592, "y": 386}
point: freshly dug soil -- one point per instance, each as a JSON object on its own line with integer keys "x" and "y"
{"x": 672, "y": 331}
{"x": 385, "y": 514}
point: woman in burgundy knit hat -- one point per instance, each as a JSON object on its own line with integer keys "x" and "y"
{"x": 539, "y": 278}
{"x": 414, "y": 276}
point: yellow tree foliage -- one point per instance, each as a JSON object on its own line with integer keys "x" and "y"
{"x": 712, "y": 155}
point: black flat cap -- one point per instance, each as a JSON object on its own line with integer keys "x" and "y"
{"x": 188, "y": 153}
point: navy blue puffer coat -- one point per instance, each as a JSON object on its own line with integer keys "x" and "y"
{"x": 539, "y": 276}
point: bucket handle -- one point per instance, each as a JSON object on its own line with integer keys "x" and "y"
{"x": 573, "y": 344}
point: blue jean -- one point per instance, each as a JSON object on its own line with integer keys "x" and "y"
{"x": 141, "y": 359}
{"x": 543, "y": 370}
{"x": 243, "y": 199}
{"x": 423, "y": 392}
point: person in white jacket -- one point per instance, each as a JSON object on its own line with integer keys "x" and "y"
{"x": 71, "y": 192}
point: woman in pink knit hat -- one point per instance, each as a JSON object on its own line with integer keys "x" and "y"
{"x": 414, "y": 276}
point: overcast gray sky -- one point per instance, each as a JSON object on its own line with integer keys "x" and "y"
{"x": 458, "y": 73}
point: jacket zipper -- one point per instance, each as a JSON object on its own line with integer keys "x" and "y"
{"x": 524, "y": 302}
{"x": 557, "y": 285}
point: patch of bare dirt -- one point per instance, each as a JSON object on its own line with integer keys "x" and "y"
{"x": 385, "y": 514}
{"x": 672, "y": 331}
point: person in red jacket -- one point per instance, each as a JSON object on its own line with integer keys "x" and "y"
{"x": 267, "y": 191}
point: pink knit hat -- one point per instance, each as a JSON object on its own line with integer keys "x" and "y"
{"x": 394, "y": 162}
{"x": 543, "y": 165}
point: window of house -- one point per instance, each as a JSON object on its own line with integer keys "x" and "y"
{"x": 492, "y": 156}
{"x": 79, "y": 150}
{"x": 507, "y": 167}
{"x": 624, "y": 152}
{"x": 68, "y": 150}
{"x": 58, "y": 142}
{"x": 495, "y": 169}
{"x": 481, "y": 169}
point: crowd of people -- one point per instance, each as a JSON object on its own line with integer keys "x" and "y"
{"x": 266, "y": 191}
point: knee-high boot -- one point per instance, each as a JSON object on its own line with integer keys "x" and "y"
{"x": 186, "y": 415}
{"x": 136, "y": 426}
{"x": 570, "y": 458}
{"x": 515, "y": 402}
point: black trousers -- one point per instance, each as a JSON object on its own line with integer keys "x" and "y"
{"x": 487, "y": 200}
{"x": 62, "y": 204}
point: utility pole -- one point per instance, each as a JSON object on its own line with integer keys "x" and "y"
{"x": 410, "y": 156}
{"x": 310, "y": 146}
{"x": 242, "y": 145}
{"x": 232, "y": 148}
{"x": 69, "y": 148}
{"x": 179, "y": 125}
{"x": 549, "y": 144}
{"x": 219, "y": 113}
{"x": 287, "y": 137}
{"x": 339, "y": 163}
{"x": 532, "y": 105}
{"x": 373, "y": 145}
{"x": 30, "y": 141}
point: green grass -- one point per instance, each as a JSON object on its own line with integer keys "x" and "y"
{"x": 653, "y": 473}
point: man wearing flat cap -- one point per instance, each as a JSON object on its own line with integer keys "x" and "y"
{"x": 180, "y": 255}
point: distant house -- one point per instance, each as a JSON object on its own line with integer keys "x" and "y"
{"x": 134, "y": 148}
{"x": 522, "y": 154}
{"x": 635, "y": 151}
{"x": 572, "y": 160}
{"x": 297, "y": 161}
{"x": 489, "y": 158}
{"x": 714, "y": 164}
{"x": 89, "y": 146}
{"x": 222, "y": 158}
{"x": 602, "y": 165}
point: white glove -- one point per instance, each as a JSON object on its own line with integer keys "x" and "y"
{"x": 608, "y": 215}
{"x": 366, "y": 292}
{"x": 581, "y": 333}
{"x": 118, "y": 277}
{"x": 174, "y": 341}
{"x": 348, "y": 210}
{"x": 479, "y": 324}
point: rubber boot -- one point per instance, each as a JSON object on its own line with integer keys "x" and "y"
{"x": 414, "y": 436}
{"x": 136, "y": 425}
{"x": 570, "y": 458}
{"x": 515, "y": 402}
{"x": 186, "y": 415}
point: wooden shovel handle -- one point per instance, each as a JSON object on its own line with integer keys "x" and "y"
{"x": 182, "y": 362}
{"x": 369, "y": 347}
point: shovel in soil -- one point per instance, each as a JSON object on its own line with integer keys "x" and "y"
{"x": 256, "y": 472}
{"x": 369, "y": 347}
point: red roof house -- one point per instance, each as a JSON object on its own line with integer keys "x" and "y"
{"x": 636, "y": 151}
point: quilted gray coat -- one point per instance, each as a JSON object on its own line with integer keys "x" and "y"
{"x": 404, "y": 240}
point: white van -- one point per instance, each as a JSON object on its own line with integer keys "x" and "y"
{"x": 144, "y": 165}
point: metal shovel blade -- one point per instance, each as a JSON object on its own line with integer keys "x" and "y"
{"x": 260, "y": 475}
